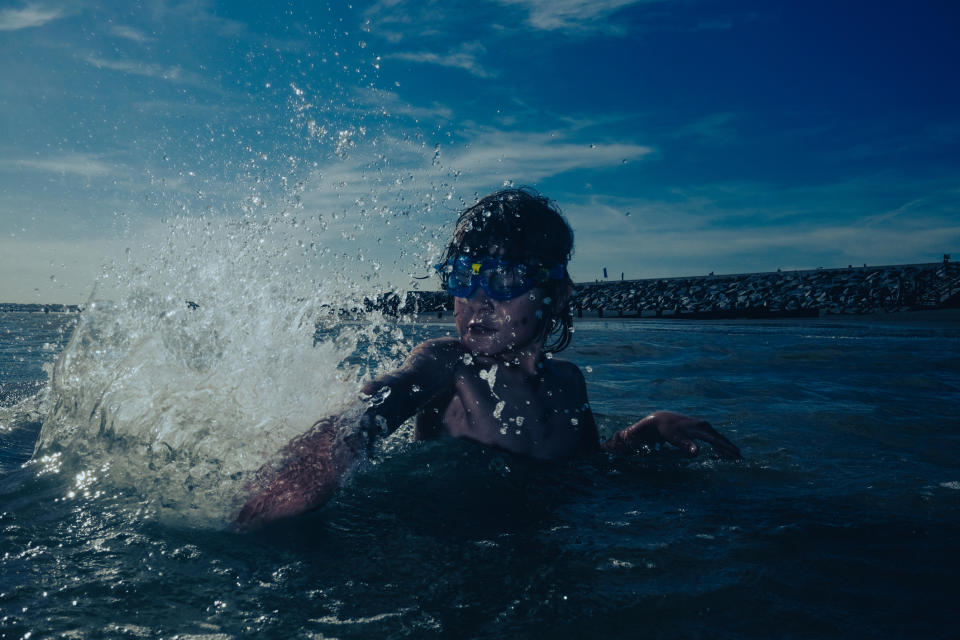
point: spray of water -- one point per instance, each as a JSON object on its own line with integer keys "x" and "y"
{"x": 212, "y": 351}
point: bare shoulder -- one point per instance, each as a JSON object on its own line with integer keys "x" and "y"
{"x": 432, "y": 361}
{"x": 567, "y": 383}
{"x": 437, "y": 351}
{"x": 567, "y": 374}
{"x": 569, "y": 378}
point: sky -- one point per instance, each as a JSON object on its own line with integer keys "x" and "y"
{"x": 679, "y": 137}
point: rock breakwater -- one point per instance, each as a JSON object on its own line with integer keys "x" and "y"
{"x": 854, "y": 290}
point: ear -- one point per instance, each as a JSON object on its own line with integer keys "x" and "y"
{"x": 562, "y": 300}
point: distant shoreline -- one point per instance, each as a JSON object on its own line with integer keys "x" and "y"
{"x": 936, "y": 316}
{"x": 34, "y": 307}
{"x": 891, "y": 293}
{"x": 948, "y": 316}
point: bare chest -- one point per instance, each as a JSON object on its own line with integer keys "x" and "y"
{"x": 537, "y": 416}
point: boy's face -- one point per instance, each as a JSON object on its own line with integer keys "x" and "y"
{"x": 492, "y": 327}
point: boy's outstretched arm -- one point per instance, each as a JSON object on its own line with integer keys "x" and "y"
{"x": 309, "y": 471}
{"x": 675, "y": 428}
{"x": 312, "y": 466}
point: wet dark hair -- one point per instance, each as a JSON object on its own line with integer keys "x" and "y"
{"x": 529, "y": 228}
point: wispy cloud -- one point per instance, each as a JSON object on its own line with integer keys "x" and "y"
{"x": 423, "y": 178}
{"x": 465, "y": 58}
{"x": 487, "y": 158}
{"x": 572, "y": 15}
{"x": 400, "y": 20}
{"x": 81, "y": 164}
{"x": 389, "y": 103}
{"x": 533, "y": 156}
{"x": 32, "y": 15}
{"x": 938, "y": 200}
{"x": 200, "y": 13}
{"x": 170, "y": 73}
{"x": 129, "y": 33}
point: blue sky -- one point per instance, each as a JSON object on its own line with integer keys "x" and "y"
{"x": 680, "y": 137}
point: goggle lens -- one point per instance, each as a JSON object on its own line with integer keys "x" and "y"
{"x": 499, "y": 279}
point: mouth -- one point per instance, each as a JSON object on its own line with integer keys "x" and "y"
{"x": 480, "y": 328}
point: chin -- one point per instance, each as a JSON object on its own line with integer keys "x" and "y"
{"x": 492, "y": 346}
{"x": 484, "y": 347}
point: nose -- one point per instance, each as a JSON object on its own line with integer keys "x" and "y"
{"x": 480, "y": 298}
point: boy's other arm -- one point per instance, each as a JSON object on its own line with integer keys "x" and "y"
{"x": 677, "y": 429}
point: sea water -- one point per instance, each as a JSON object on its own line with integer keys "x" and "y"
{"x": 127, "y": 432}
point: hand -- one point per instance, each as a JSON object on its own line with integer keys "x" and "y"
{"x": 677, "y": 429}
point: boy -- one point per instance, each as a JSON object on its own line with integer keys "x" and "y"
{"x": 497, "y": 384}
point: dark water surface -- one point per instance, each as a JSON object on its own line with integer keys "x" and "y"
{"x": 842, "y": 522}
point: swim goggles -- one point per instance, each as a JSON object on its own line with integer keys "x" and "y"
{"x": 499, "y": 279}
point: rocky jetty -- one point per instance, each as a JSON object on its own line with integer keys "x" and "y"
{"x": 854, "y": 290}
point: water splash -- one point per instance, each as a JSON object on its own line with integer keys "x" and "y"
{"x": 204, "y": 361}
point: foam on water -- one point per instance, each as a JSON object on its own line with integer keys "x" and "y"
{"x": 202, "y": 364}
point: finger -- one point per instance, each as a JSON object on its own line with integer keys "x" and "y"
{"x": 726, "y": 448}
{"x": 705, "y": 431}
{"x": 686, "y": 444}
{"x": 720, "y": 443}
